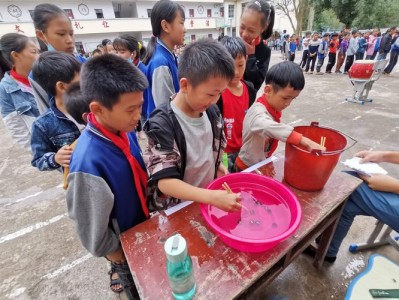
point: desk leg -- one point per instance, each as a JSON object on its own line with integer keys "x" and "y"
{"x": 326, "y": 237}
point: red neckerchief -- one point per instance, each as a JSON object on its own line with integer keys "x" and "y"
{"x": 19, "y": 78}
{"x": 276, "y": 116}
{"x": 122, "y": 142}
{"x": 257, "y": 41}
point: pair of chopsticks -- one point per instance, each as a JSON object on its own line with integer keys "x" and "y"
{"x": 228, "y": 190}
{"x": 323, "y": 141}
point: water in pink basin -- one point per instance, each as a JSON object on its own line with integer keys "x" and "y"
{"x": 264, "y": 215}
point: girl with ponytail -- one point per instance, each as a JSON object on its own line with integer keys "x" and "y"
{"x": 17, "y": 103}
{"x": 167, "y": 21}
{"x": 256, "y": 25}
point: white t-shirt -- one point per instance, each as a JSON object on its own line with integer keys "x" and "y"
{"x": 200, "y": 161}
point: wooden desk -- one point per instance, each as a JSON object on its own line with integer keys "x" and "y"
{"x": 220, "y": 271}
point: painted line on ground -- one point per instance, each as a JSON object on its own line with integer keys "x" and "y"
{"x": 67, "y": 267}
{"x": 30, "y": 228}
{"x": 294, "y": 122}
{"x": 356, "y": 118}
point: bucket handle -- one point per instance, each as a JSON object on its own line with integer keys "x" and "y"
{"x": 319, "y": 152}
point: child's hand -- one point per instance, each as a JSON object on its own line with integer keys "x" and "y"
{"x": 222, "y": 170}
{"x": 250, "y": 47}
{"x": 63, "y": 156}
{"x": 225, "y": 201}
{"x": 310, "y": 145}
{"x": 371, "y": 156}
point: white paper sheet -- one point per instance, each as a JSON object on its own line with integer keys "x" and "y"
{"x": 364, "y": 168}
{"x": 177, "y": 207}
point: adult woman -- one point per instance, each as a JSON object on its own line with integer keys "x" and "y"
{"x": 17, "y": 103}
{"x": 256, "y": 25}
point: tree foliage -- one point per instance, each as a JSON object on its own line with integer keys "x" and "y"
{"x": 382, "y": 13}
{"x": 327, "y": 20}
{"x": 360, "y": 13}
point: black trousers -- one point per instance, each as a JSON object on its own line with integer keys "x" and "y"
{"x": 331, "y": 61}
{"x": 313, "y": 60}
{"x": 392, "y": 61}
{"x": 305, "y": 55}
{"x": 349, "y": 62}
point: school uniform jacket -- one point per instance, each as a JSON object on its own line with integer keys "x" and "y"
{"x": 162, "y": 77}
{"x": 102, "y": 198}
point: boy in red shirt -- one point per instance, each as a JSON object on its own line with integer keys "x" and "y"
{"x": 235, "y": 99}
{"x": 332, "y": 52}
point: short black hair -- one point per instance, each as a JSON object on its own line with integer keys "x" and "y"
{"x": 54, "y": 66}
{"x": 203, "y": 59}
{"x": 106, "y": 77}
{"x": 235, "y": 46}
{"x": 128, "y": 42}
{"x": 75, "y": 104}
{"x": 105, "y": 42}
{"x": 355, "y": 31}
{"x": 96, "y": 51}
{"x": 285, "y": 74}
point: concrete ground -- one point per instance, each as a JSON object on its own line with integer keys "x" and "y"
{"x": 43, "y": 259}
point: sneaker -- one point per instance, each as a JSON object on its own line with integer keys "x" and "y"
{"x": 311, "y": 251}
{"x": 329, "y": 72}
{"x": 311, "y": 72}
{"x": 345, "y": 73}
{"x": 338, "y": 72}
{"x": 319, "y": 73}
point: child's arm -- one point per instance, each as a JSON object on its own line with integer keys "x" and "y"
{"x": 310, "y": 145}
{"x": 162, "y": 85}
{"x": 45, "y": 155}
{"x": 182, "y": 190}
{"x": 90, "y": 202}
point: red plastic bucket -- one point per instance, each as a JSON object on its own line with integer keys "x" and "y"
{"x": 309, "y": 171}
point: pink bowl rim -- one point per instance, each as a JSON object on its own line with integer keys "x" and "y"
{"x": 277, "y": 238}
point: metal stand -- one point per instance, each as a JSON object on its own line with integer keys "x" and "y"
{"x": 388, "y": 236}
{"x": 363, "y": 87}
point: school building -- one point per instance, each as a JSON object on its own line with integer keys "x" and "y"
{"x": 94, "y": 21}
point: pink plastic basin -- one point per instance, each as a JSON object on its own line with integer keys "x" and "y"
{"x": 271, "y": 213}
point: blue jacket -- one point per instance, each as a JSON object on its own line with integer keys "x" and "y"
{"x": 50, "y": 132}
{"x": 18, "y": 110}
{"x": 292, "y": 47}
{"x": 162, "y": 77}
{"x": 362, "y": 45}
{"x": 321, "y": 53}
{"x": 143, "y": 68}
{"x": 102, "y": 198}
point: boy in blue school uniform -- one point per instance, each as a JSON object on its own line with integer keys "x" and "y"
{"x": 54, "y": 131}
{"x": 107, "y": 180}
{"x": 322, "y": 52}
{"x": 292, "y": 49}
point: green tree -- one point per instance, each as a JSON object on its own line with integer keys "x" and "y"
{"x": 382, "y": 13}
{"x": 327, "y": 20}
{"x": 344, "y": 9}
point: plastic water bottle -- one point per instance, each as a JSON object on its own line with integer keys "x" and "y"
{"x": 179, "y": 268}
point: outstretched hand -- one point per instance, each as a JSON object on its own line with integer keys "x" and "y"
{"x": 225, "y": 201}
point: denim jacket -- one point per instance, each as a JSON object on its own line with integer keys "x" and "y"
{"x": 18, "y": 110}
{"x": 50, "y": 132}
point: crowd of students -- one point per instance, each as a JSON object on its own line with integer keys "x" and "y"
{"x": 80, "y": 117}
{"x": 342, "y": 47}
